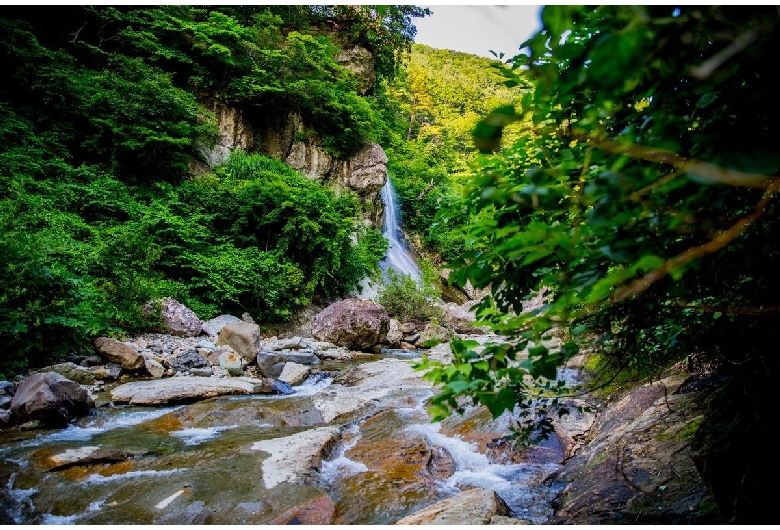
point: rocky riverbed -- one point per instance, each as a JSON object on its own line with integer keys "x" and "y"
{"x": 189, "y": 430}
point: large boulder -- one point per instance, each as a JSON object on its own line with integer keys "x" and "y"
{"x": 177, "y": 319}
{"x": 118, "y": 352}
{"x": 215, "y": 325}
{"x": 243, "y": 337}
{"x": 50, "y": 398}
{"x": 298, "y": 457}
{"x": 352, "y": 323}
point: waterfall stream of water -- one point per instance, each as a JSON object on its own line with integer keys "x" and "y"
{"x": 398, "y": 257}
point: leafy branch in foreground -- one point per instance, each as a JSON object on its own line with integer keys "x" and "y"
{"x": 637, "y": 196}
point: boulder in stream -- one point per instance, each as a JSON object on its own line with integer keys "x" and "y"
{"x": 298, "y": 457}
{"x": 474, "y": 506}
{"x": 353, "y": 323}
{"x": 189, "y": 388}
{"x": 50, "y": 399}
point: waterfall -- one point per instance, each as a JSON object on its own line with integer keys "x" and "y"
{"x": 398, "y": 257}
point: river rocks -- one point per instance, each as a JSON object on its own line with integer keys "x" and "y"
{"x": 474, "y": 506}
{"x": 154, "y": 369}
{"x": 460, "y": 318}
{"x": 51, "y": 399}
{"x": 319, "y": 511}
{"x": 185, "y": 388}
{"x": 187, "y": 360}
{"x": 298, "y": 457}
{"x": 243, "y": 337}
{"x": 232, "y": 362}
{"x": 432, "y": 334}
{"x": 118, "y": 352}
{"x": 271, "y": 363}
{"x": 85, "y": 455}
{"x": 394, "y": 334}
{"x": 353, "y": 323}
{"x": 7, "y": 390}
{"x": 72, "y": 371}
{"x": 176, "y": 318}
{"x": 215, "y": 325}
{"x": 294, "y": 374}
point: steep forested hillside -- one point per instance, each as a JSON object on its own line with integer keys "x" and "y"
{"x": 440, "y": 96}
{"x": 101, "y": 120}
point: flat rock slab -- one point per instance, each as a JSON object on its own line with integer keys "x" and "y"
{"x": 293, "y": 458}
{"x": 474, "y": 506}
{"x": 163, "y": 391}
{"x": 88, "y": 454}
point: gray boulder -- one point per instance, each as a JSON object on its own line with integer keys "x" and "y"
{"x": 7, "y": 388}
{"x": 460, "y": 318}
{"x": 154, "y": 369}
{"x": 294, "y": 374}
{"x": 243, "y": 337}
{"x": 232, "y": 362}
{"x": 187, "y": 360}
{"x": 72, "y": 371}
{"x": 271, "y": 363}
{"x": 353, "y": 323}
{"x": 51, "y": 399}
{"x": 215, "y": 325}
{"x": 190, "y": 388}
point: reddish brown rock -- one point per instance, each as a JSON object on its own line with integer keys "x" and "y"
{"x": 119, "y": 352}
{"x": 50, "y": 398}
{"x": 176, "y": 318}
{"x": 352, "y": 323}
{"x": 316, "y": 511}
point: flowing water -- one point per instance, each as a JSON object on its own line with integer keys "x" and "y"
{"x": 196, "y": 464}
{"x": 398, "y": 257}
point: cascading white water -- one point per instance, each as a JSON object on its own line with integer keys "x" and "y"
{"x": 398, "y": 257}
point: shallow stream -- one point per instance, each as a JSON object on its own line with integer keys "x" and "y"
{"x": 195, "y": 463}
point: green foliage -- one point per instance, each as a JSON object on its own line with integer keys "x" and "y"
{"x": 639, "y": 194}
{"x": 407, "y": 300}
{"x": 101, "y": 119}
{"x": 441, "y": 96}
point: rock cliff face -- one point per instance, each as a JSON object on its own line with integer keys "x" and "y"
{"x": 287, "y": 137}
